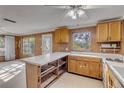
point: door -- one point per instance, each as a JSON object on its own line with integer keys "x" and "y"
{"x": 115, "y": 31}
{"x": 72, "y": 66}
{"x": 46, "y": 43}
{"x": 102, "y": 32}
{"x": 9, "y": 48}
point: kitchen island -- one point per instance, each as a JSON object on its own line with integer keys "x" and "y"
{"x": 44, "y": 69}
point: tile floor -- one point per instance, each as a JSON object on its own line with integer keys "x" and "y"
{"x": 12, "y": 75}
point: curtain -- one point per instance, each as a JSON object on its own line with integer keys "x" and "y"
{"x": 9, "y": 48}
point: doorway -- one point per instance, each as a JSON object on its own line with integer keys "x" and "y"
{"x": 46, "y": 43}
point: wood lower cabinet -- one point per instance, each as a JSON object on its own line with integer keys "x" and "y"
{"x": 82, "y": 67}
{"x": 112, "y": 81}
{"x": 72, "y": 66}
{"x": 86, "y": 66}
{"x": 95, "y": 70}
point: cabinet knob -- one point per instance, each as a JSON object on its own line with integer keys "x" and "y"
{"x": 81, "y": 66}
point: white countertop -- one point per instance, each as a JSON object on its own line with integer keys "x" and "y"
{"x": 118, "y": 70}
{"x": 44, "y": 59}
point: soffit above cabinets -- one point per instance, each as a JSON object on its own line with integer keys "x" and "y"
{"x": 34, "y": 19}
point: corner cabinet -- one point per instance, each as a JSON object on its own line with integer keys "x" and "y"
{"x": 61, "y": 35}
{"x": 109, "y": 31}
{"x": 87, "y": 66}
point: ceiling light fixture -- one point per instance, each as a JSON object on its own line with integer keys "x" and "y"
{"x": 75, "y": 11}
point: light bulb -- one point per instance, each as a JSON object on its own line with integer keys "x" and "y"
{"x": 74, "y": 17}
{"x": 71, "y": 13}
{"x": 80, "y": 13}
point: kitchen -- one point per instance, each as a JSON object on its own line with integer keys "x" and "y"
{"x": 45, "y": 48}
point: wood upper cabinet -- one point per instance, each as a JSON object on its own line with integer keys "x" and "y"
{"x": 62, "y": 35}
{"x": 102, "y": 32}
{"x": 87, "y": 66}
{"x": 109, "y": 31}
{"x": 115, "y": 31}
{"x": 57, "y": 36}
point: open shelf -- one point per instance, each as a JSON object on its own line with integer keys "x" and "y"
{"x": 61, "y": 72}
{"x": 48, "y": 81}
{"x": 51, "y": 71}
{"x": 46, "y": 69}
{"x": 61, "y": 63}
{"x": 53, "y": 68}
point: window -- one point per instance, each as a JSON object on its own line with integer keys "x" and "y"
{"x": 81, "y": 41}
{"x": 29, "y": 46}
{"x": 2, "y": 45}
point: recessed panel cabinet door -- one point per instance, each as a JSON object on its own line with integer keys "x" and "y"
{"x": 61, "y": 35}
{"x": 64, "y": 35}
{"x": 94, "y": 69}
{"x": 102, "y": 32}
{"x": 72, "y": 64}
{"x": 115, "y": 31}
{"x": 57, "y": 36}
{"x": 82, "y": 67}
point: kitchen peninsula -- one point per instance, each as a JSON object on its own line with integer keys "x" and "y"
{"x": 42, "y": 70}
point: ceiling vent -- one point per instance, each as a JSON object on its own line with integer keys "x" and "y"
{"x": 9, "y": 20}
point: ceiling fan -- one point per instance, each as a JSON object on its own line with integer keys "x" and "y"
{"x": 78, "y": 11}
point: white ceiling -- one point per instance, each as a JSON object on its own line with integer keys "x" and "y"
{"x": 35, "y": 19}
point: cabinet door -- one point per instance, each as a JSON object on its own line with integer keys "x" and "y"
{"x": 95, "y": 70}
{"x": 57, "y": 36}
{"x": 102, "y": 32}
{"x": 112, "y": 81}
{"x": 82, "y": 67}
{"x": 64, "y": 35}
{"x": 115, "y": 31}
{"x": 72, "y": 66}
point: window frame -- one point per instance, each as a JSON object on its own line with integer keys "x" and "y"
{"x": 3, "y": 54}
{"x": 82, "y": 50}
{"x": 28, "y": 41}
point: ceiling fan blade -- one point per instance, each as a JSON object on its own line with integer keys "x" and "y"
{"x": 95, "y": 6}
{"x": 81, "y": 6}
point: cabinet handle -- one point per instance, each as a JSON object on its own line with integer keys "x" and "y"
{"x": 80, "y": 66}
